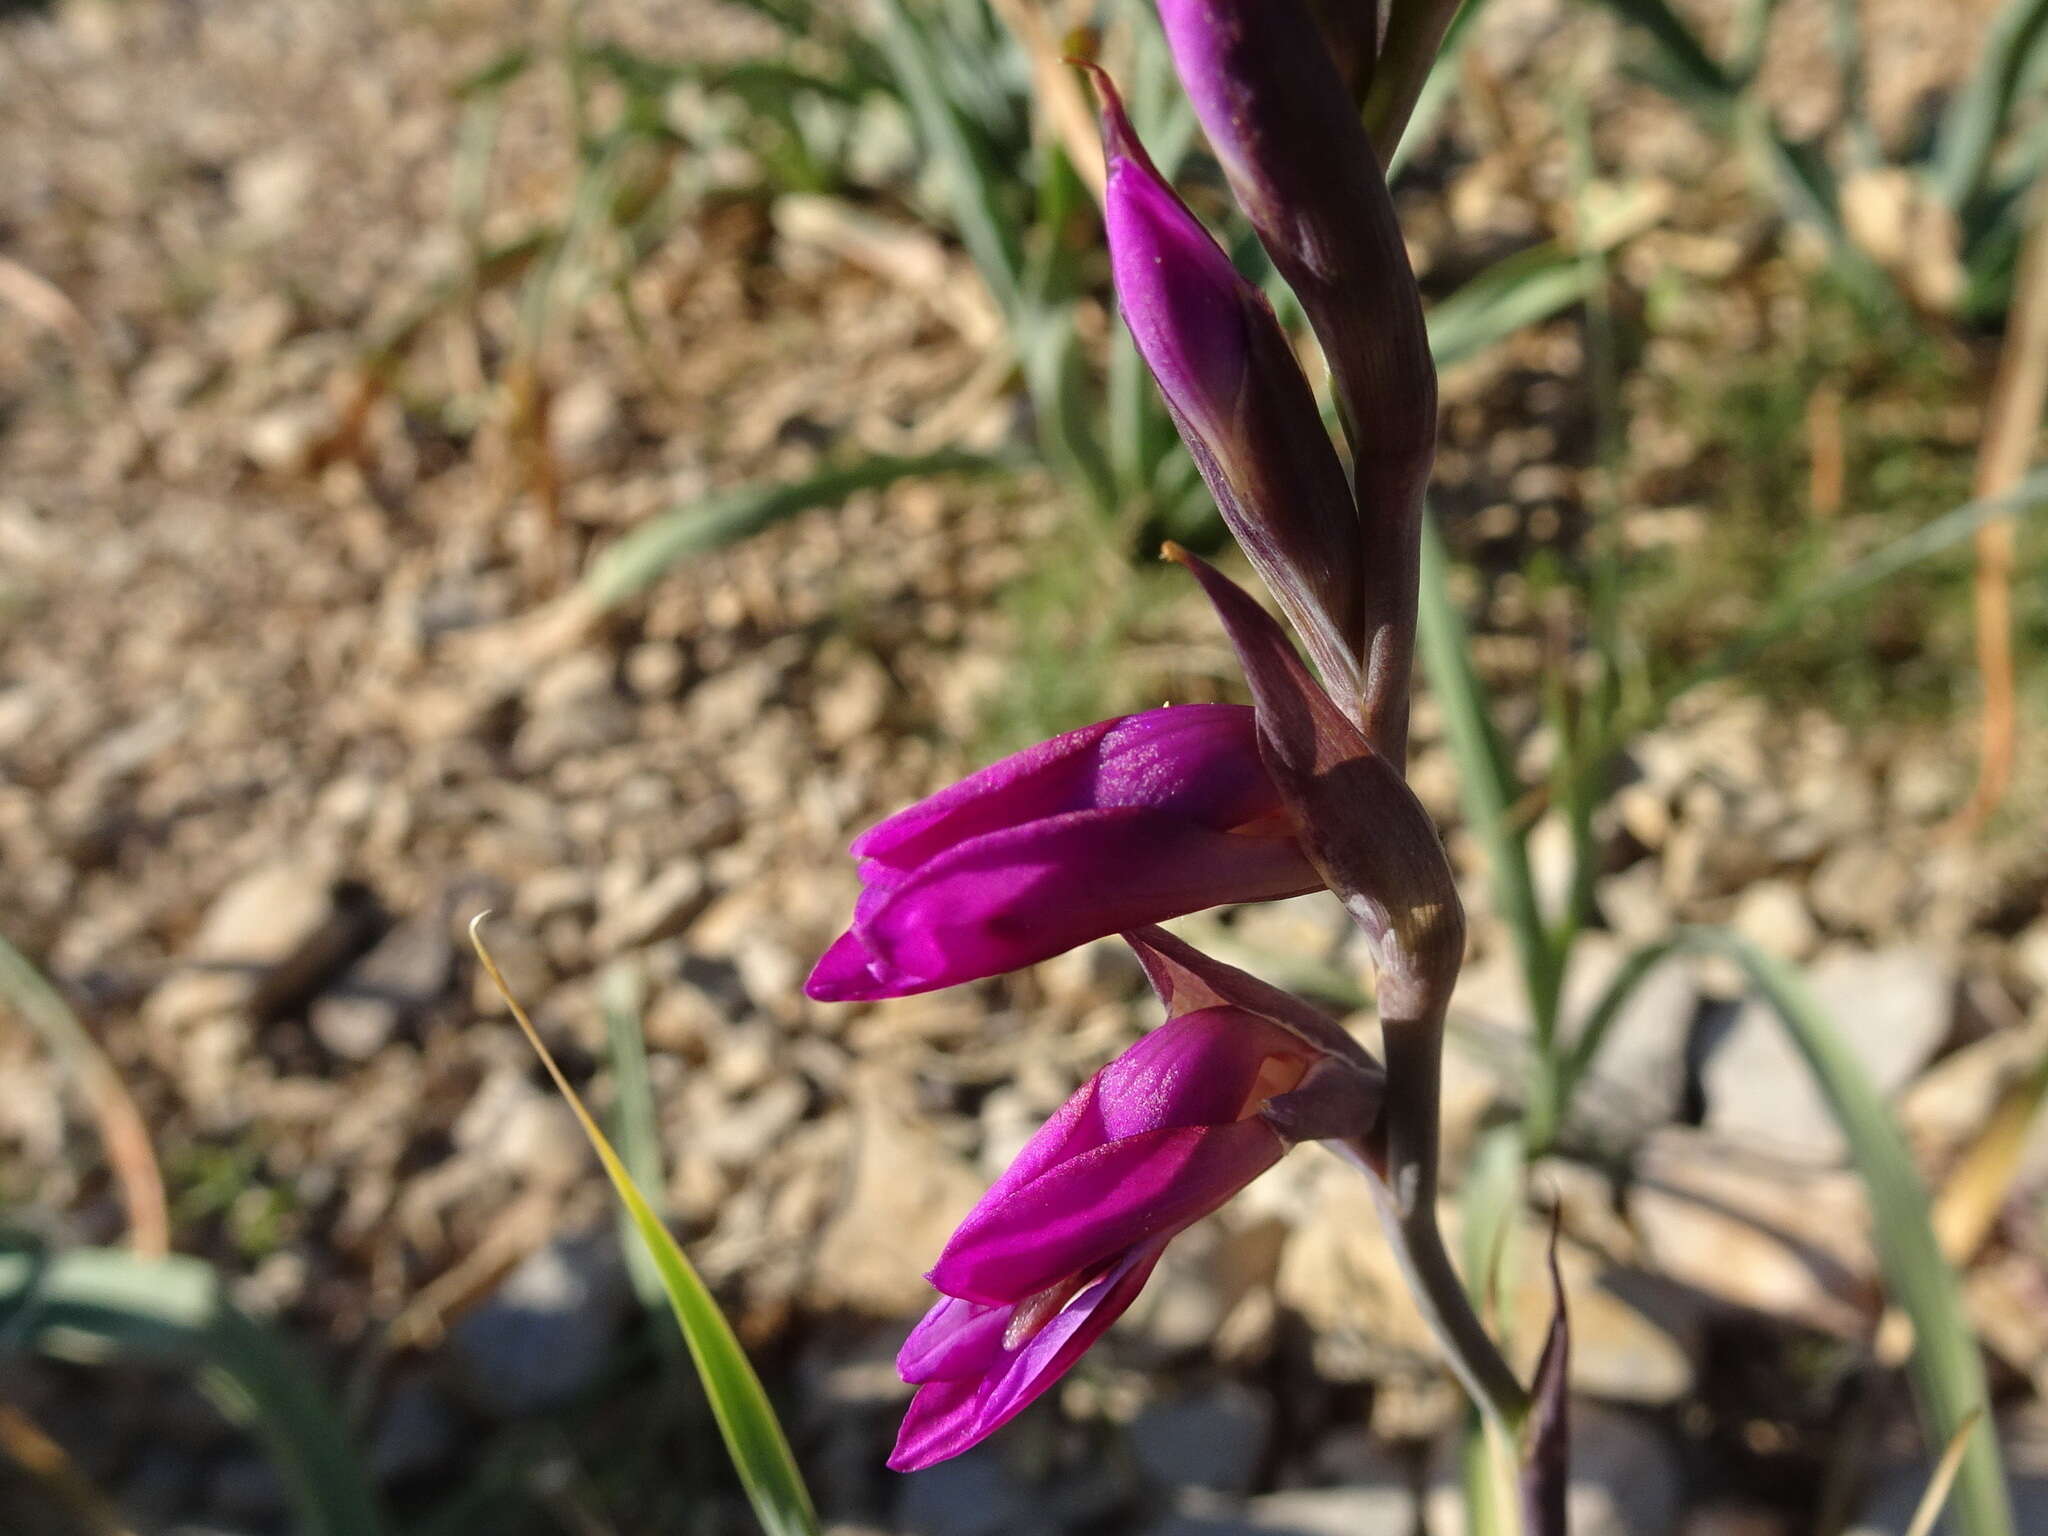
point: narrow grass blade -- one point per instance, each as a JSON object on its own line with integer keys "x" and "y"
{"x": 99, "y": 1304}
{"x": 1521, "y": 290}
{"x": 642, "y": 556}
{"x": 123, "y": 1131}
{"x": 1977, "y": 114}
{"x": 1873, "y": 570}
{"x": 1945, "y": 1367}
{"x": 973, "y": 178}
{"x": 753, "y": 1435}
{"x": 635, "y": 1124}
{"x": 1679, "y": 47}
{"x": 1437, "y": 87}
{"x": 1944, "y": 1478}
{"x": 1486, "y": 778}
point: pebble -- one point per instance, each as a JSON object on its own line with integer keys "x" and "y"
{"x": 1861, "y": 888}
{"x": 1350, "y": 1511}
{"x": 971, "y": 1495}
{"x": 1772, "y": 914}
{"x": 257, "y": 924}
{"x": 406, "y": 972}
{"x": 1892, "y": 1007}
{"x": 546, "y": 1332}
{"x": 662, "y": 906}
{"x": 1213, "y": 1439}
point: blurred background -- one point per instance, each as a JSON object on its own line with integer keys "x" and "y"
{"x": 588, "y": 460}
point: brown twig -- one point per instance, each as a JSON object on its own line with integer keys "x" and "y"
{"x": 2012, "y": 419}
{"x": 123, "y": 1131}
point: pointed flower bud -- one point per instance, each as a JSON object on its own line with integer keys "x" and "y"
{"x": 1239, "y": 399}
{"x": 1288, "y": 135}
{"x": 1064, "y": 1241}
{"x": 1131, "y": 821}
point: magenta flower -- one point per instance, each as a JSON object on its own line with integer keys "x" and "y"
{"x": 1066, "y": 1239}
{"x": 1128, "y": 822}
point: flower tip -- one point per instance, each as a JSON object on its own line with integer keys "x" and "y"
{"x": 1176, "y": 553}
{"x": 1119, "y": 139}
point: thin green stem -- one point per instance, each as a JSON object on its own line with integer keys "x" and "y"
{"x": 1405, "y": 1189}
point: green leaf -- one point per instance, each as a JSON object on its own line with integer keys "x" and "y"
{"x": 1486, "y": 777}
{"x": 98, "y": 1304}
{"x": 1437, "y": 88}
{"x": 635, "y": 1123}
{"x": 1977, "y": 115}
{"x": 753, "y": 1434}
{"x": 1679, "y": 48}
{"x": 1946, "y": 1368}
{"x": 642, "y": 556}
{"x": 974, "y": 178}
{"x": 1517, "y": 291}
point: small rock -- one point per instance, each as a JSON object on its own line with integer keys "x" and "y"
{"x": 1350, "y": 1511}
{"x": 654, "y": 669}
{"x": 253, "y": 928}
{"x": 854, "y": 703}
{"x": 744, "y": 1132}
{"x": 1214, "y": 1439}
{"x": 905, "y": 1182}
{"x": 512, "y": 1125}
{"x": 655, "y": 910}
{"x": 1892, "y": 1008}
{"x": 1861, "y": 887}
{"x": 283, "y": 438}
{"x": 390, "y": 987}
{"x": 1753, "y": 1232}
{"x": 970, "y": 1495}
{"x": 1889, "y": 1506}
{"x": 2030, "y": 954}
{"x": 1772, "y": 915}
{"x": 270, "y": 188}
{"x": 546, "y": 1332}
{"x": 415, "y": 1432}
{"x": 585, "y": 422}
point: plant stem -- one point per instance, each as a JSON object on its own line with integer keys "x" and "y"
{"x": 1404, "y": 1183}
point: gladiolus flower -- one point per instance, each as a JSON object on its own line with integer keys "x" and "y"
{"x": 1066, "y": 1239}
{"x": 1131, "y": 821}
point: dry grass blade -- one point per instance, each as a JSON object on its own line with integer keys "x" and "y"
{"x": 2012, "y": 420}
{"x": 23, "y": 1442}
{"x": 1944, "y": 1478}
{"x": 123, "y": 1131}
{"x": 1057, "y": 90}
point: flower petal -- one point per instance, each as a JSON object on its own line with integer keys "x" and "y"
{"x": 1190, "y": 1071}
{"x": 1188, "y": 980}
{"x": 954, "y": 1339}
{"x": 1199, "y": 759}
{"x": 1081, "y": 1212}
{"x": 1024, "y": 894}
{"x": 946, "y": 1417}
